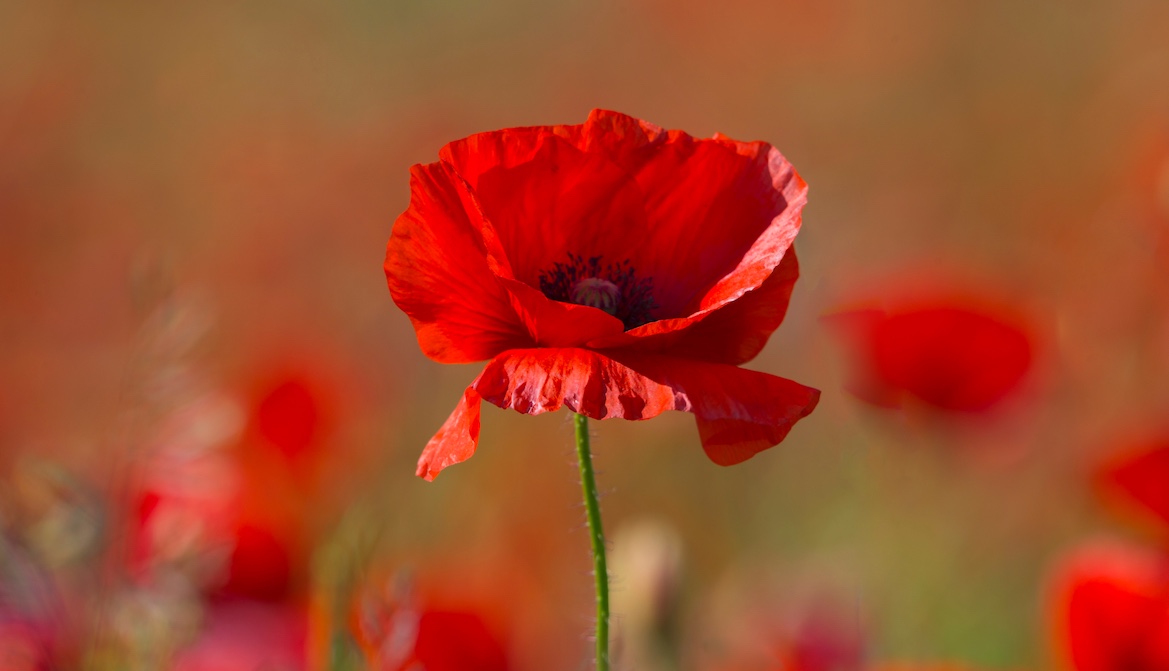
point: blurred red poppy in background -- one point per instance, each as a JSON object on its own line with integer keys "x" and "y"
{"x": 289, "y": 416}
{"x": 234, "y": 529}
{"x": 398, "y": 632}
{"x": 297, "y": 408}
{"x": 612, "y": 267}
{"x": 949, "y": 353}
{"x": 1111, "y": 609}
{"x": 244, "y": 501}
{"x": 1140, "y": 479}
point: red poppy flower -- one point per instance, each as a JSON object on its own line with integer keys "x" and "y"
{"x": 949, "y": 354}
{"x": 1112, "y": 609}
{"x": 234, "y": 520}
{"x": 288, "y": 416}
{"x": 261, "y": 564}
{"x": 1141, "y": 478}
{"x": 457, "y": 642}
{"x": 191, "y": 528}
{"x": 397, "y": 634}
{"x": 611, "y": 267}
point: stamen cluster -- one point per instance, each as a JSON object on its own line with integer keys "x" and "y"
{"x": 634, "y": 303}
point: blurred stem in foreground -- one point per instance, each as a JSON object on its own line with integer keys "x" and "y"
{"x": 588, "y": 485}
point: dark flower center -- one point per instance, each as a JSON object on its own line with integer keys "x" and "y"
{"x": 612, "y": 287}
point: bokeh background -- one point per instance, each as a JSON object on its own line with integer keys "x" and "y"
{"x": 200, "y": 360}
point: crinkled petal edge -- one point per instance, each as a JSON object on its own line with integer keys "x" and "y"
{"x": 739, "y": 412}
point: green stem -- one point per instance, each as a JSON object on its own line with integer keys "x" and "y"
{"x": 588, "y": 485}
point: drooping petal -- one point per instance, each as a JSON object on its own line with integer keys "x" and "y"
{"x": 1142, "y": 478}
{"x": 535, "y": 381}
{"x": 739, "y": 412}
{"x": 456, "y": 439}
{"x": 437, "y": 272}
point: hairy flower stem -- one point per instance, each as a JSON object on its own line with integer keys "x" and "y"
{"x": 588, "y": 485}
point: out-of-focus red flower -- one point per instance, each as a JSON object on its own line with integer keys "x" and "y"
{"x": 228, "y": 542}
{"x": 295, "y": 403}
{"x": 447, "y": 641}
{"x": 1141, "y": 479}
{"x": 950, "y": 354}
{"x": 288, "y": 470}
{"x": 400, "y": 634}
{"x": 183, "y": 520}
{"x": 296, "y": 408}
{"x": 611, "y": 267}
{"x": 222, "y": 505}
{"x": 261, "y": 564}
{"x": 1111, "y": 609}
{"x": 456, "y": 642}
{"x": 289, "y": 416}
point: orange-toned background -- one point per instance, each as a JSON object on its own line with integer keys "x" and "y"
{"x": 246, "y": 162}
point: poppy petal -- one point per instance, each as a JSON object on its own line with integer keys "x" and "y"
{"x": 739, "y": 412}
{"x": 535, "y": 381}
{"x": 720, "y": 213}
{"x": 518, "y": 181}
{"x": 456, "y": 439}
{"x": 732, "y": 334}
{"x": 545, "y": 199}
{"x": 721, "y": 217}
{"x": 706, "y": 221}
{"x": 742, "y": 412}
{"x": 557, "y": 324}
{"x": 437, "y": 272}
{"x": 738, "y": 331}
